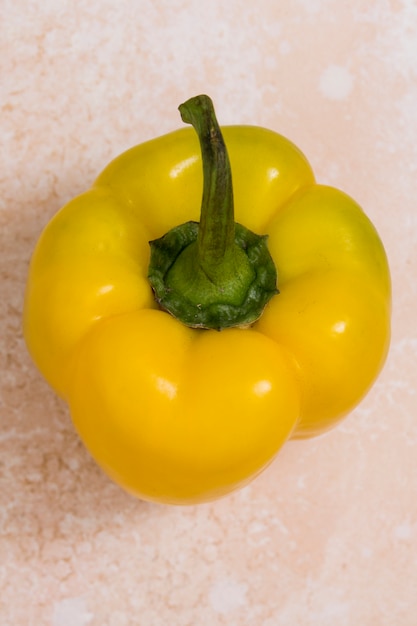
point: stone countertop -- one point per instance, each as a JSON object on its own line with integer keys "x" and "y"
{"x": 327, "y": 535}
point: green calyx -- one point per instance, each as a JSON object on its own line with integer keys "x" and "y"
{"x": 215, "y": 273}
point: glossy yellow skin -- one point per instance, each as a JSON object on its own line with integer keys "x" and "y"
{"x": 178, "y": 415}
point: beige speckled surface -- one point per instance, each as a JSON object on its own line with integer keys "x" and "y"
{"x": 328, "y": 534}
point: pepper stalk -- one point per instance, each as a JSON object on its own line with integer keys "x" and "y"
{"x": 216, "y": 273}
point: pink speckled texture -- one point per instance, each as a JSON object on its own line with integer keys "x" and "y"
{"x": 327, "y": 535}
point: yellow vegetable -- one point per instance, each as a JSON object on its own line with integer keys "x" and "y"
{"x": 178, "y": 411}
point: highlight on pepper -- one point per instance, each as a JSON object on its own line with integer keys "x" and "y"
{"x": 203, "y": 303}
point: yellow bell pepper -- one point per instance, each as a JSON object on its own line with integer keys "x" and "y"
{"x": 172, "y": 409}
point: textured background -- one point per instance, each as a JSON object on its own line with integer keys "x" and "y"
{"x": 328, "y": 534}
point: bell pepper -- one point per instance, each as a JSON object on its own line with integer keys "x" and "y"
{"x": 258, "y": 314}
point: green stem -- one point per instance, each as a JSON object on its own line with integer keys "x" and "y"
{"x": 216, "y": 233}
{"x": 215, "y": 274}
